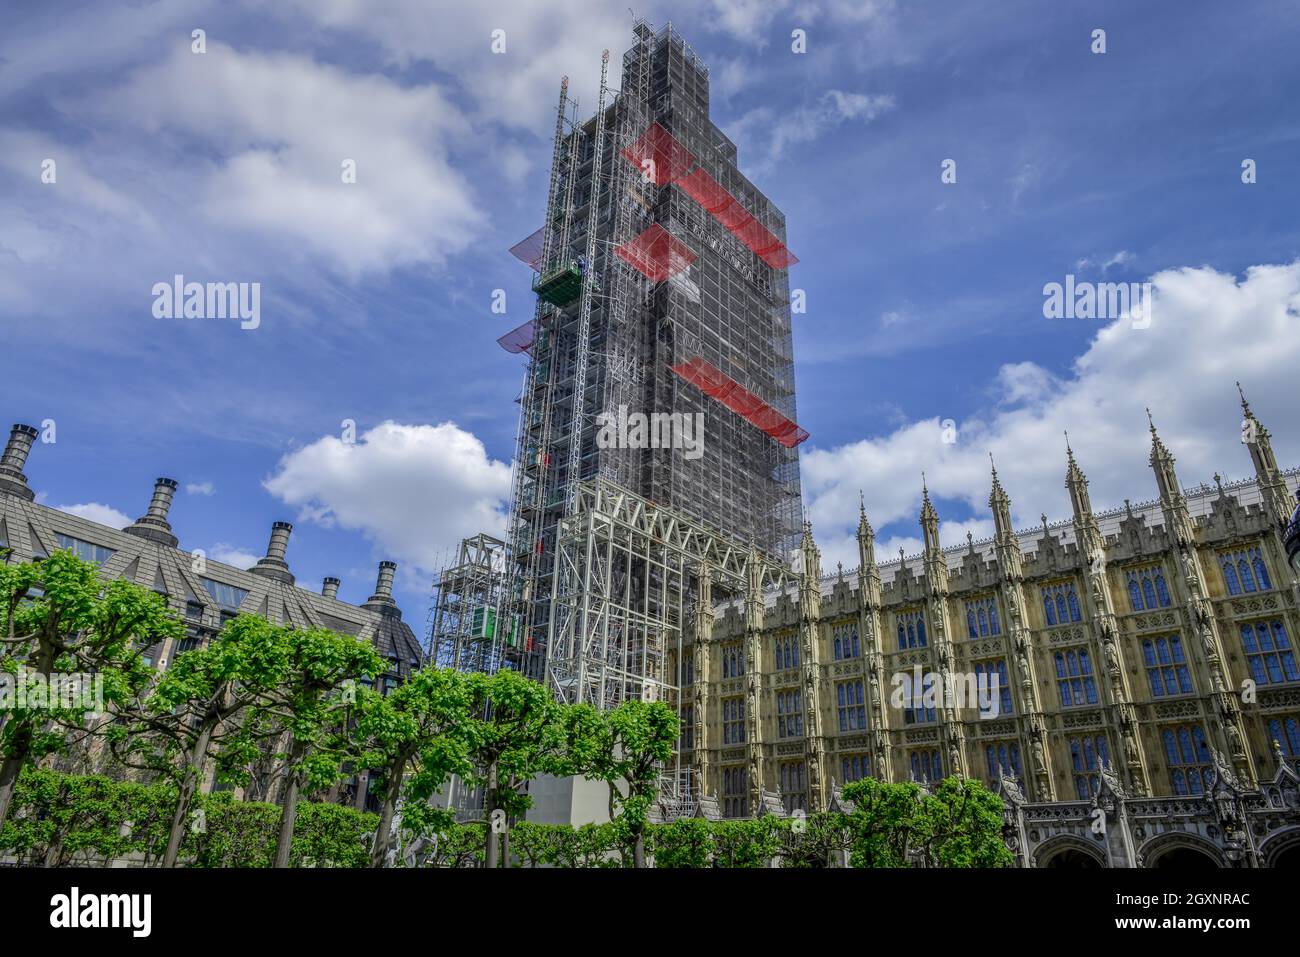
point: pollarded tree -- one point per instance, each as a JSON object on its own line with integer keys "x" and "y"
{"x": 60, "y": 617}
{"x": 197, "y": 708}
{"x": 312, "y": 705}
{"x": 517, "y": 731}
{"x": 414, "y": 738}
{"x": 636, "y": 740}
{"x": 961, "y": 826}
{"x": 883, "y": 824}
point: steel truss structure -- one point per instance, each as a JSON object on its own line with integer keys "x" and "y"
{"x": 629, "y": 573}
{"x": 470, "y": 628}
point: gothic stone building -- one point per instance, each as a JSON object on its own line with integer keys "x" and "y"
{"x": 1148, "y": 694}
{"x": 203, "y": 592}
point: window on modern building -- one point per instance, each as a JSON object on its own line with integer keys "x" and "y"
{"x": 786, "y": 648}
{"x": 1147, "y": 589}
{"x": 1166, "y": 666}
{"x": 844, "y": 641}
{"x": 926, "y": 766}
{"x": 911, "y": 630}
{"x": 792, "y": 777}
{"x": 789, "y": 713}
{"x": 1268, "y": 652}
{"x": 733, "y": 720}
{"x": 733, "y": 660}
{"x": 1285, "y": 730}
{"x": 1003, "y": 758}
{"x": 1088, "y": 755}
{"x": 1074, "y": 678}
{"x": 996, "y": 680}
{"x": 1061, "y": 604}
{"x": 850, "y": 706}
{"x": 226, "y": 596}
{"x": 1244, "y": 571}
{"x": 854, "y": 767}
{"x": 982, "y": 618}
{"x": 1188, "y": 756}
{"x": 86, "y": 551}
{"x": 735, "y": 792}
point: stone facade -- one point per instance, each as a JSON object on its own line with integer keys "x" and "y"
{"x": 1144, "y": 659}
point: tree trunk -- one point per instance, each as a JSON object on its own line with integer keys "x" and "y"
{"x": 284, "y": 845}
{"x": 382, "y": 833}
{"x": 9, "y": 772}
{"x": 638, "y": 850}
{"x": 492, "y": 855}
{"x": 193, "y": 774}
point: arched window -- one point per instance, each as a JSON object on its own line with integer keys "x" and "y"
{"x": 1073, "y": 599}
{"x": 1074, "y": 678}
{"x": 1148, "y": 591}
{"x": 839, "y": 655}
{"x": 995, "y": 627}
{"x": 1188, "y": 756}
{"x": 1230, "y": 577}
{"x": 920, "y": 631}
{"x": 1286, "y": 732}
{"x": 1087, "y": 756}
{"x": 902, "y": 635}
{"x": 1166, "y": 666}
{"x": 1061, "y": 614}
{"x": 970, "y": 623}
{"x": 1261, "y": 572}
{"x": 1162, "y": 590}
{"x": 1243, "y": 572}
{"x": 1134, "y": 595}
{"x": 1269, "y": 654}
{"x": 1048, "y": 609}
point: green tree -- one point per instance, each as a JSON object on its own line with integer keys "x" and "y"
{"x": 516, "y": 732}
{"x": 961, "y": 826}
{"x": 312, "y": 704}
{"x": 883, "y": 822}
{"x": 59, "y": 616}
{"x": 414, "y": 739}
{"x": 636, "y": 739}
{"x": 196, "y": 710}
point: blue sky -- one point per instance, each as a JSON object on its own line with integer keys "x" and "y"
{"x": 924, "y": 298}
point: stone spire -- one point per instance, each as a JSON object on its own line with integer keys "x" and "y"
{"x": 1271, "y": 484}
{"x": 929, "y": 522}
{"x": 1000, "y": 504}
{"x": 1077, "y": 484}
{"x": 1162, "y": 461}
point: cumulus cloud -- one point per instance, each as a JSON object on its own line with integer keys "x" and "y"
{"x": 1208, "y": 330}
{"x": 412, "y": 490}
{"x": 232, "y": 555}
{"x": 95, "y": 512}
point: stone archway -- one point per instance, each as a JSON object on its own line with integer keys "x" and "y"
{"x": 1282, "y": 850}
{"x": 1188, "y": 852}
{"x": 1069, "y": 852}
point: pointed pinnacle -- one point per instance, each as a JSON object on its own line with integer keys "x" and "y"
{"x": 1245, "y": 406}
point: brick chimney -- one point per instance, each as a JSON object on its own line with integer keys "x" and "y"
{"x": 12, "y": 479}
{"x": 153, "y": 525}
{"x": 273, "y": 565}
{"x": 330, "y": 587}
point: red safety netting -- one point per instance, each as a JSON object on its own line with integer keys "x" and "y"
{"x": 657, "y": 253}
{"x": 658, "y": 155}
{"x": 530, "y": 250}
{"x": 714, "y": 382}
{"x": 520, "y": 339}
{"x": 731, "y": 213}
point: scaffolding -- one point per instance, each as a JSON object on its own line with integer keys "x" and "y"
{"x": 623, "y": 600}
{"x": 654, "y": 253}
{"x": 470, "y": 624}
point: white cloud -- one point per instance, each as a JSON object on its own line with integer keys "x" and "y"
{"x": 200, "y": 488}
{"x": 764, "y": 135}
{"x": 412, "y": 490}
{"x": 280, "y": 126}
{"x": 1208, "y": 330}
{"x": 95, "y": 512}
{"x": 232, "y": 555}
